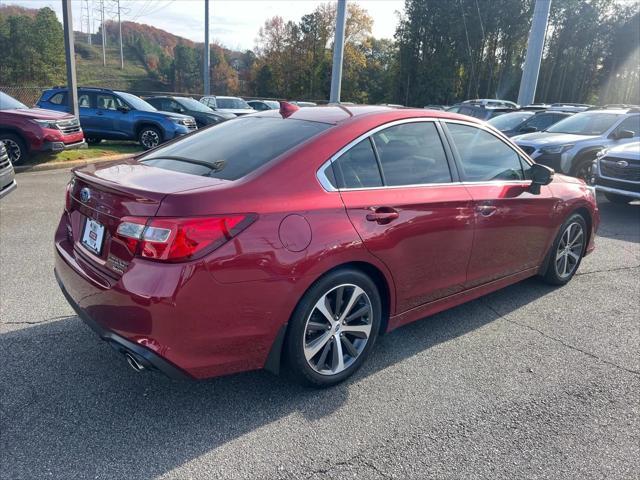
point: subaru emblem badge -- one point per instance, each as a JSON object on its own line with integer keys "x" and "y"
{"x": 85, "y": 195}
{"x": 622, "y": 164}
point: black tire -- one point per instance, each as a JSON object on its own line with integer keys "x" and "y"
{"x": 556, "y": 273}
{"x": 93, "y": 140}
{"x": 582, "y": 168}
{"x": 149, "y": 137}
{"x": 617, "y": 198}
{"x": 16, "y": 148}
{"x": 301, "y": 335}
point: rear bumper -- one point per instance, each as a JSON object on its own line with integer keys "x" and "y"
{"x": 121, "y": 344}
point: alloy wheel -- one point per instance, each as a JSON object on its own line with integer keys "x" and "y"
{"x": 13, "y": 150}
{"x": 150, "y": 139}
{"x": 569, "y": 250}
{"x": 338, "y": 329}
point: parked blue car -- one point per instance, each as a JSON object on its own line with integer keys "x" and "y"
{"x": 114, "y": 115}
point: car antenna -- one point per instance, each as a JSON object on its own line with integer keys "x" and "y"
{"x": 287, "y": 109}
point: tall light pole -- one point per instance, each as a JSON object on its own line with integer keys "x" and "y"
{"x": 120, "y": 28}
{"x": 338, "y": 51}
{"x": 104, "y": 45}
{"x": 67, "y": 23}
{"x": 531, "y": 69}
{"x": 207, "y": 53}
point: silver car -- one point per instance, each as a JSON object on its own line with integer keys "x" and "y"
{"x": 616, "y": 173}
{"x": 7, "y": 175}
{"x": 571, "y": 145}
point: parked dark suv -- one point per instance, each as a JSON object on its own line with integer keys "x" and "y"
{"x": 188, "y": 106}
{"x": 25, "y": 130}
{"x": 113, "y": 115}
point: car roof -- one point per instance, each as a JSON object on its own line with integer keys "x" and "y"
{"x": 224, "y": 96}
{"x": 336, "y": 114}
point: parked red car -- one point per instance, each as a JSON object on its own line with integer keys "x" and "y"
{"x": 26, "y": 131}
{"x": 301, "y": 235}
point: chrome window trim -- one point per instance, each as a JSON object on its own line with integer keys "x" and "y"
{"x": 327, "y": 186}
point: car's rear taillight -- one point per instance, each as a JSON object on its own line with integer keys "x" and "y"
{"x": 178, "y": 239}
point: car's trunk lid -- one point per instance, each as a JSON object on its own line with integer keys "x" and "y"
{"x": 102, "y": 196}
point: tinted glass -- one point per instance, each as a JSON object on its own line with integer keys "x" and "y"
{"x": 107, "y": 102}
{"x": 57, "y": 99}
{"x": 484, "y": 157}
{"x": 587, "y": 123}
{"x": 136, "y": 102}
{"x": 357, "y": 168}
{"x": 233, "y": 149}
{"x": 509, "y": 121}
{"x": 84, "y": 100}
{"x": 194, "y": 105}
{"x": 234, "y": 103}
{"x": 412, "y": 154}
{"x": 542, "y": 121}
{"x": 632, "y": 124}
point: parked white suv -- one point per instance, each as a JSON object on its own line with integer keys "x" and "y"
{"x": 616, "y": 173}
{"x": 571, "y": 145}
{"x": 235, "y": 105}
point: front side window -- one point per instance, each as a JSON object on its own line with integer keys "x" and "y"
{"x": 632, "y": 124}
{"x": 412, "y": 154}
{"x": 58, "y": 98}
{"x": 484, "y": 157}
{"x": 84, "y": 101}
{"x": 108, "y": 102}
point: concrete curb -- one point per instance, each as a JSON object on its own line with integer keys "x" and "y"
{"x": 41, "y": 167}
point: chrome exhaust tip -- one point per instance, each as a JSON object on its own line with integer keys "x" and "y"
{"x": 134, "y": 363}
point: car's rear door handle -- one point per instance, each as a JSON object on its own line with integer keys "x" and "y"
{"x": 383, "y": 215}
{"x": 487, "y": 210}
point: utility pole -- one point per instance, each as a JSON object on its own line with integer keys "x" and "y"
{"x": 89, "y": 22}
{"x": 338, "y": 51}
{"x": 207, "y": 53}
{"x": 104, "y": 52}
{"x": 120, "y": 28}
{"x": 67, "y": 21}
{"x": 531, "y": 69}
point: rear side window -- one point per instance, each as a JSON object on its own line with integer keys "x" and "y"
{"x": 58, "y": 98}
{"x": 235, "y": 148}
{"x": 357, "y": 167}
{"x": 412, "y": 154}
{"x": 484, "y": 157}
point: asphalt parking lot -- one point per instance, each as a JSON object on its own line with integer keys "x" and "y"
{"x": 529, "y": 382}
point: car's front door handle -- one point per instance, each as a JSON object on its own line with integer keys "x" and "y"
{"x": 383, "y": 215}
{"x": 487, "y": 210}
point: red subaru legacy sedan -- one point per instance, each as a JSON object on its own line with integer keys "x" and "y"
{"x": 297, "y": 237}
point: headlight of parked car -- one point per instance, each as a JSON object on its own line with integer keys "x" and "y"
{"x": 46, "y": 123}
{"x": 179, "y": 121}
{"x": 556, "y": 149}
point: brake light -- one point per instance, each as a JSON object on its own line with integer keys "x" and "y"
{"x": 178, "y": 239}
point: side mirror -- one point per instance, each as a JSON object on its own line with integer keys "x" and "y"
{"x": 540, "y": 175}
{"x": 528, "y": 129}
{"x": 178, "y": 110}
{"x": 620, "y": 134}
{"x": 123, "y": 109}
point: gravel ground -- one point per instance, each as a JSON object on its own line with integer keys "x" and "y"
{"x": 529, "y": 382}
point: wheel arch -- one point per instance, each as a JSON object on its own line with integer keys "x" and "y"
{"x": 18, "y": 133}
{"x": 587, "y": 153}
{"x": 148, "y": 123}
{"x": 274, "y": 358}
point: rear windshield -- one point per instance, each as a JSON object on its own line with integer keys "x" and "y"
{"x": 233, "y": 103}
{"x": 235, "y": 148}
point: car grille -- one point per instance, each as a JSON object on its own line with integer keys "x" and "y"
{"x": 609, "y": 168}
{"x": 527, "y": 149}
{"x": 4, "y": 157}
{"x": 190, "y": 124}
{"x": 68, "y": 127}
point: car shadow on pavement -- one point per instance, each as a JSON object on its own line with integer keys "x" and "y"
{"x": 72, "y": 408}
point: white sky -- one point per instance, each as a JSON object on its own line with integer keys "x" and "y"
{"x": 234, "y": 23}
